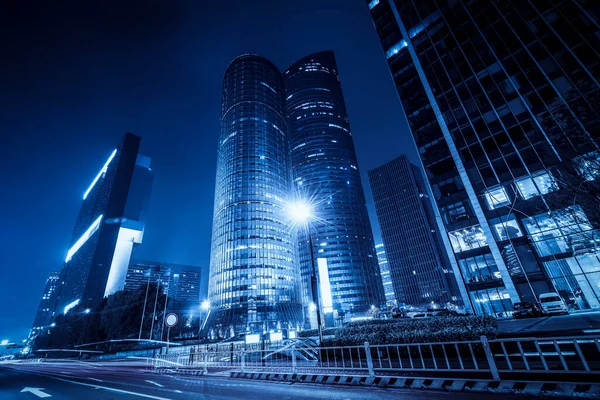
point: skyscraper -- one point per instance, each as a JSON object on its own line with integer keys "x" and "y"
{"x": 110, "y": 223}
{"x": 502, "y": 98}
{"x": 325, "y": 172}
{"x": 43, "y": 317}
{"x": 275, "y": 127}
{"x": 386, "y": 278}
{"x": 253, "y": 277}
{"x": 417, "y": 261}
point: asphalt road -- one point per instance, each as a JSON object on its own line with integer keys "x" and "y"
{"x": 560, "y": 325}
{"x": 80, "y": 380}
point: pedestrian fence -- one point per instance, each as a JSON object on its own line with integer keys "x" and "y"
{"x": 494, "y": 357}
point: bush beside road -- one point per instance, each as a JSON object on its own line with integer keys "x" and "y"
{"x": 421, "y": 330}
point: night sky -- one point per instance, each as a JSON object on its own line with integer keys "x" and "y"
{"x": 75, "y": 76}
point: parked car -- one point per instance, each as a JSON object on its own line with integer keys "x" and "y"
{"x": 526, "y": 309}
{"x": 552, "y": 303}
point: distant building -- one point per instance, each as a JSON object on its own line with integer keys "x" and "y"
{"x": 417, "y": 262}
{"x": 186, "y": 285}
{"x": 386, "y": 278}
{"x": 43, "y": 317}
{"x": 110, "y": 224}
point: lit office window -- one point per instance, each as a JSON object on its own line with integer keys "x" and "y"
{"x": 395, "y": 49}
{"x": 467, "y": 238}
{"x": 373, "y": 3}
{"x": 496, "y": 198}
{"x": 542, "y": 183}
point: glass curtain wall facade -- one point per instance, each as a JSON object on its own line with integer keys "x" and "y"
{"x": 325, "y": 173}
{"x": 253, "y": 277}
{"x": 502, "y": 98}
{"x": 386, "y": 278}
{"x": 418, "y": 264}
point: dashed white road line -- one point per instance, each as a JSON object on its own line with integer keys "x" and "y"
{"x": 94, "y": 379}
{"x": 154, "y": 383}
{"x": 110, "y": 389}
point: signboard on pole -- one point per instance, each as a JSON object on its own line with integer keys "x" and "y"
{"x": 171, "y": 320}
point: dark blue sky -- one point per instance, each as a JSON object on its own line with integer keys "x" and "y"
{"x": 76, "y": 75}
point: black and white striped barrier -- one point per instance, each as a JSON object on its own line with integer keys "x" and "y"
{"x": 583, "y": 390}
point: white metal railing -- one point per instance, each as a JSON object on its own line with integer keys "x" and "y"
{"x": 495, "y": 357}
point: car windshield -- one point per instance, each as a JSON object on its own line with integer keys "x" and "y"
{"x": 549, "y": 299}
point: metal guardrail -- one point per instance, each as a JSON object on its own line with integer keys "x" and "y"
{"x": 494, "y": 357}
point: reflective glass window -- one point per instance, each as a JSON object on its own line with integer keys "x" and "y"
{"x": 467, "y": 238}
{"x": 496, "y": 198}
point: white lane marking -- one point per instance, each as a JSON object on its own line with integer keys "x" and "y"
{"x": 94, "y": 379}
{"x": 154, "y": 383}
{"x": 36, "y": 391}
{"x": 147, "y": 396}
{"x": 177, "y": 391}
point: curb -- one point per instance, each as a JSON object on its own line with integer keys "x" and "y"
{"x": 581, "y": 390}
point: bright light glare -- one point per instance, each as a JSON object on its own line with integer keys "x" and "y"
{"x": 205, "y": 305}
{"x": 53, "y": 324}
{"x": 312, "y": 307}
{"x": 81, "y": 241}
{"x": 301, "y": 211}
{"x": 87, "y": 311}
{"x": 4, "y": 342}
{"x": 102, "y": 171}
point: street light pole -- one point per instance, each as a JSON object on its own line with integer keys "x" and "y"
{"x": 314, "y": 284}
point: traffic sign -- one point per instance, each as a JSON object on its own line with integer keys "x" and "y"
{"x": 171, "y": 320}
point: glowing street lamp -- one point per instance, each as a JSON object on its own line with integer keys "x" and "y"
{"x": 204, "y": 306}
{"x": 301, "y": 212}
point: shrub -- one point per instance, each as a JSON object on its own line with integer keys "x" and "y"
{"x": 423, "y": 330}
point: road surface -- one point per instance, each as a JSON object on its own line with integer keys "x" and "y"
{"x": 80, "y": 380}
{"x": 572, "y": 325}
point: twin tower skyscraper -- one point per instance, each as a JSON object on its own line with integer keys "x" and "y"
{"x": 286, "y": 137}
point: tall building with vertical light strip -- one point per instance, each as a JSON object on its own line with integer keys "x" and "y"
{"x": 109, "y": 225}
{"x": 253, "y": 277}
{"x": 502, "y": 98}
{"x": 326, "y": 173}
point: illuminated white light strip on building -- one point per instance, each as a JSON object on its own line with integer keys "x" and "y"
{"x": 102, "y": 171}
{"x": 70, "y": 305}
{"x": 86, "y": 235}
{"x": 325, "y": 286}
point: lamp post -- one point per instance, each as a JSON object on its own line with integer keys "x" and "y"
{"x": 204, "y": 306}
{"x": 302, "y": 213}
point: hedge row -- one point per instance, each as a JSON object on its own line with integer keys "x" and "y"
{"x": 315, "y": 332}
{"x": 422, "y": 330}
